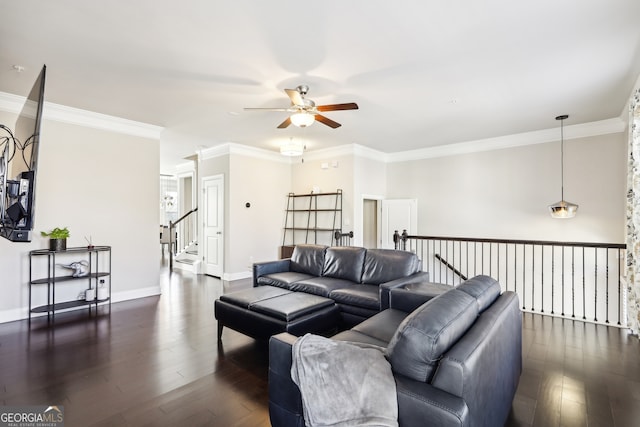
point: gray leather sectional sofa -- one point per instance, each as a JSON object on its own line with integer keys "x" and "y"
{"x": 357, "y": 279}
{"x": 456, "y": 359}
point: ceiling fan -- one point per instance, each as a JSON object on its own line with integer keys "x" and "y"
{"x": 305, "y": 111}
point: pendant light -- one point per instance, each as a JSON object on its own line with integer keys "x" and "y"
{"x": 292, "y": 148}
{"x": 562, "y": 209}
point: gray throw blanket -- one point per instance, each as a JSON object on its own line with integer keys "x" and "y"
{"x": 344, "y": 384}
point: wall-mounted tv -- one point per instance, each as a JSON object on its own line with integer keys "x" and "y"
{"x": 18, "y": 166}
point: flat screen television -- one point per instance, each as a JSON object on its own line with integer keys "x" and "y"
{"x": 18, "y": 166}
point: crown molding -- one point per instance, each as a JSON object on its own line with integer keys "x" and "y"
{"x": 185, "y": 168}
{"x": 346, "y": 150}
{"x": 75, "y": 116}
{"x": 584, "y": 130}
{"x": 11, "y": 103}
{"x": 229, "y": 148}
{"x": 602, "y": 127}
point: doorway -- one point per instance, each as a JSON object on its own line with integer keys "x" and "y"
{"x": 370, "y": 223}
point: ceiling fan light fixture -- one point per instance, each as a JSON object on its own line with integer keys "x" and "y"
{"x": 292, "y": 148}
{"x": 302, "y": 119}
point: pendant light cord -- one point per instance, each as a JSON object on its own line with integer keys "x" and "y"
{"x": 561, "y": 159}
{"x": 562, "y": 118}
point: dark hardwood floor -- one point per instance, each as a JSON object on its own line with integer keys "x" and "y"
{"x": 155, "y": 362}
{"x": 577, "y": 374}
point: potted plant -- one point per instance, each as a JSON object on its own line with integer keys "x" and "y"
{"x": 57, "y": 238}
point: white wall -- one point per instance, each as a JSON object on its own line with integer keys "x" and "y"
{"x": 338, "y": 174}
{"x": 251, "y": 176}
{"x": 255, "y": 233}
{"x": 370, "y": 182}
{"x": 100, "y": 184}
{"x": 505, "y": 193}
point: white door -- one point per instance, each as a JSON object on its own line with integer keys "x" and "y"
{"x": 213, "y": 225}
{"x": 398, "y": 214}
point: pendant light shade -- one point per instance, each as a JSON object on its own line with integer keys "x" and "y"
{"x": 562, "y": 209}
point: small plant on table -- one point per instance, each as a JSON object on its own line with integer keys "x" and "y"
{"x": 57, "y": 238}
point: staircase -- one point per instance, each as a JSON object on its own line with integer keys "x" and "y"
{"x": 184, "y": 230}
{"x": 189, "y": 259}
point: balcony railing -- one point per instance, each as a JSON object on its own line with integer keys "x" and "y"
{"x": 342, "y": 239}
{"x": 575, "y": 280}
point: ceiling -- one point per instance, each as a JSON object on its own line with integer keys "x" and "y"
{"x": 424, "y": 73}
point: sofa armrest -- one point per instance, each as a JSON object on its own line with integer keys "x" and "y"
{"x": 419, "y": 401}
{"x": 421, "y": 276}
{"x": 269, "y": 267}
{"x": 407, "y": 301}
{"x": 285, "y": 401}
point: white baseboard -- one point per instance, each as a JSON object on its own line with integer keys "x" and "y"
{"x": 230, "y": 277}
{"x": 15, "y": 314}
{"x": 135, "y": 294}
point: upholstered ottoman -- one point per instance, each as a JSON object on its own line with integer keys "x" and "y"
{"x": 264, "y": 311}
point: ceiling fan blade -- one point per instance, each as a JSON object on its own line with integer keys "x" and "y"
{"x": 285, "y": 124}
{"x": 265, "y": 109}
{"x": 327, "y": 121}
{"x": 337, "y": 107}
{"x": 294, "y": 95}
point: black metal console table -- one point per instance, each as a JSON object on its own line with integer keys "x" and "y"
{"x": 98, "y": 276}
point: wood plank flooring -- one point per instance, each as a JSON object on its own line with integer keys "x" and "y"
{"x": 155, "y": 362}
{"x": 577, "y": 374}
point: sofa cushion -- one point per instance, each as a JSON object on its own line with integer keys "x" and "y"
{"x": 382, "y": 326}
{"x": 319, "y": 285}
{"x": 344, "y": 262}
{"x": 291, "y": 306}
{"x": 367, "y": 296}
{"x": 245, "y": 297}
{"x": 385, "y": 265}
{"x": 355, "y": 336}
{"x": 308, "y": 259}
{"x": 484, "y": 289}
{"x": 429, "y": 331}
{"x": 282, "y": 280}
